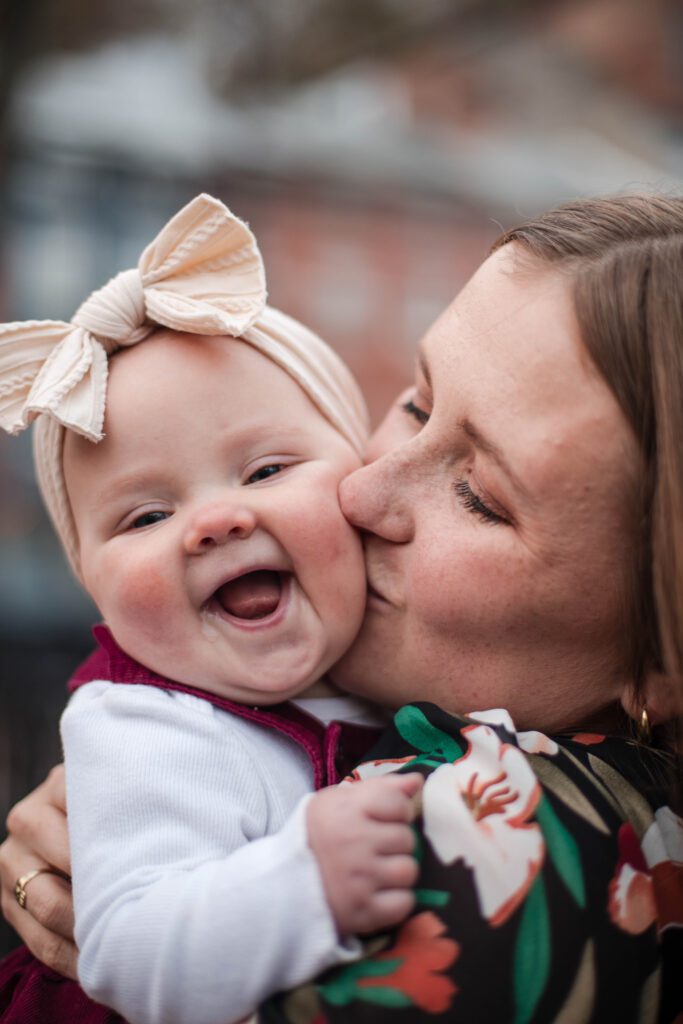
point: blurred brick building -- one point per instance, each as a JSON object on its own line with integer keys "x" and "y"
{"x": 374, "y": 189}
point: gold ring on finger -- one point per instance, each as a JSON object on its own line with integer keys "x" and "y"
{"x": 21, "y": 883}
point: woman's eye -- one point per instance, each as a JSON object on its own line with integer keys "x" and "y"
{"x": 148, "y": 519}
{"x": 473, "y": 503}
{"x": 264, "y": 472}
{"x": 415, "y": 411}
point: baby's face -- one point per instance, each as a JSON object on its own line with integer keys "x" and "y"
{"x": 210, "y": 531}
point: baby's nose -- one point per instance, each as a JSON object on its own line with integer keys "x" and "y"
{"x": 214, "y": 524}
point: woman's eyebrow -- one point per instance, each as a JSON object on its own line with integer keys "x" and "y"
{"x": 478, "y": 439}
{"x": 424, "y": 367}
{"x": 485, "y": 445}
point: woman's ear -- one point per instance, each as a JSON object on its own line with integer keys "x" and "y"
{"x": 661, "y": 696}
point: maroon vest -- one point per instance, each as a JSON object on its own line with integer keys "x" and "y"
{"x": 333, "y": 750}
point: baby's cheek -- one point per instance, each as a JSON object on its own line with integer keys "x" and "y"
{"x": 326, "y": 531}
{"x": 339, "y": 559}
{"x": 138, "y": 594}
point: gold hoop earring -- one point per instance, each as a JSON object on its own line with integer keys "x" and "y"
{"x": 644, "y": 726}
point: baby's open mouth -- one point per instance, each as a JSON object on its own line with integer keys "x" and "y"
{"x": 254, "y": 595}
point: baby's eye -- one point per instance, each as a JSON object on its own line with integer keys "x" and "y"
{"x": 415, "y": 411}
{"x": 263, "y": 472}
{"x": 148, "y": 519}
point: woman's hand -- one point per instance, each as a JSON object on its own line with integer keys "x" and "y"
{"x": 38, "y": 838}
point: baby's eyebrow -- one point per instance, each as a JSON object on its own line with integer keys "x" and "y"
{"x": 119, "y": 486}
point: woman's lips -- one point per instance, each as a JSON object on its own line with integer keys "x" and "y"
{"x": 375, "y": 597}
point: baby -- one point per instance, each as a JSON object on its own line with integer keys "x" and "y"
{"x": 195, "y": 492}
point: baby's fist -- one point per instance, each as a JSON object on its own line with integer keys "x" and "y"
{"x": 361, "y": 836}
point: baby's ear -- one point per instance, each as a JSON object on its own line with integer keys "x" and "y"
{"x": 661, "y": 695}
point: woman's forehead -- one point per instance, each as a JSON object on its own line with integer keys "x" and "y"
{"x": 506, "y": 360}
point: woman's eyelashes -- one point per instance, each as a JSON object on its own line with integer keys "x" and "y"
{"x": 473, "y": 503}
{"x": 415, "y": 411}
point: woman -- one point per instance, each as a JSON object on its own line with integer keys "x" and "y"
{"x": 523, "y": 513}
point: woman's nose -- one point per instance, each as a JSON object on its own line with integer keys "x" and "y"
{"x": 213, "y": 524}
{"x": 377, "y": 498}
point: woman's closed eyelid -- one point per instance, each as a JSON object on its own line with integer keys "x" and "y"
{"x": 414, "y": 410}
{"x": 476, "y": 505}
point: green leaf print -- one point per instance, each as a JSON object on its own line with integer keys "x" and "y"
{"x": 343, "y": 989}
{"x": 562, "y": 850}
{"x": 532, "y": 953}
{"x": 390, "y": 997}
{"x": 419, "y": 847}
{"x": 417, "y": 730}
{"x": 431, "y": 897}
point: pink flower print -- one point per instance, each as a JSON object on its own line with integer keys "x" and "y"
{"x": 631, "y": 902}
{"x": 531, "y": 741}
{"x": 369, "y": 769}
{"x": 663, "y": 849}
{"x": 477, "y": 810}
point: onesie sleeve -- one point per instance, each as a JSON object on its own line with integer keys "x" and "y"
{"x": 187, "y": 912}
{"x": 545, "y": 865}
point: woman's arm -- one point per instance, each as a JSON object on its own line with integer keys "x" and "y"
{"x": 38, "y": 838}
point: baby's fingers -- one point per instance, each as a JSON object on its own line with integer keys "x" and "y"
{"x": 386, "y": 908}
{"x": 393, "y": 797}
{"x": 393, "y": 838}
{"x": 398, "y": 871}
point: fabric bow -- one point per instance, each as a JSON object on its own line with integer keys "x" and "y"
{"x": 203, "y": 274}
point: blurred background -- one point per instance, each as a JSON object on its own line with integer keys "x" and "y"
{"x": 377, "y": 148}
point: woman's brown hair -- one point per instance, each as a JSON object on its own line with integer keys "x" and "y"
{"x": 624, "y": 255}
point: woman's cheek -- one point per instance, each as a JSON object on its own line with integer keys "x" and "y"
{"x": 437, "y": 590}
{"x": 461, "y": 587}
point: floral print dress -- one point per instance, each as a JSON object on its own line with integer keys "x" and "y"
{"x": 551, "y": 884}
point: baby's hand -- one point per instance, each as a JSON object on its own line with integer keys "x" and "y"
{"x": 360, "y": 834}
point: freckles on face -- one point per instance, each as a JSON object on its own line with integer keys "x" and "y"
{"x": 526, "y": 611}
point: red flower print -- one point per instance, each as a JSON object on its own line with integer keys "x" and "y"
{"x": 424, "y": 953}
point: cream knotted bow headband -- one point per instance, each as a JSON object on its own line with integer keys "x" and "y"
{"x": 202, "y": 274}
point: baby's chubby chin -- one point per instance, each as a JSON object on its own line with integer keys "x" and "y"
{"x": 210, "y": 660}
{"x": 272, "y": 656}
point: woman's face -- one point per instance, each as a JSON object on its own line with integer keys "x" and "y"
{"x": 497, "y": 509}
